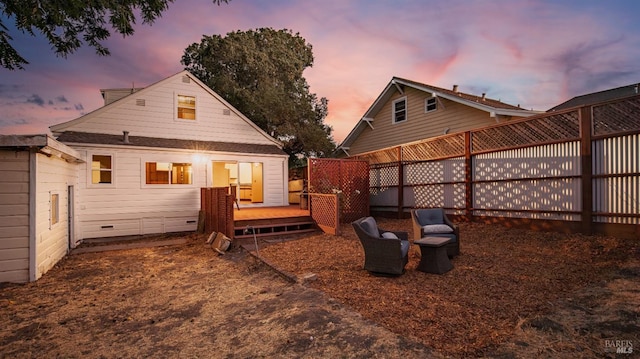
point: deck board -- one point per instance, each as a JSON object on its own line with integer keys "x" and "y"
{"x": 268, "y": 212}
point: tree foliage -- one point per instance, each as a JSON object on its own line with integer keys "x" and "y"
{"x": 260, "y": 73}
{"x": 70, "y": 23}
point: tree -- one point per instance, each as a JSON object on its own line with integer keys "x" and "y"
{"x": 66, "y": 24}
{"x": 259, "y": 72}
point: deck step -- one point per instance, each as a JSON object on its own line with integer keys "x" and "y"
{"x": 275, "y": 228}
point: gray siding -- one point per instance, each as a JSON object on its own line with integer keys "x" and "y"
{"x": 419, "y": 125}
{"x": 14, "y": 216}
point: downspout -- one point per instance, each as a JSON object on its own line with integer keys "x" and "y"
{"x": 33, "y": 167}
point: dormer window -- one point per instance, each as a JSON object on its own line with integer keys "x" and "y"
{"x": 399, "y": 109}
{"x": 186, "y": 107}
{"x": 430, "y": 104}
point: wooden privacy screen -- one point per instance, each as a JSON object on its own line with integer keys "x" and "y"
{"x": 216, "y": 205}
{"x": 325, "y": 212}
{"x": 349, "y": 179}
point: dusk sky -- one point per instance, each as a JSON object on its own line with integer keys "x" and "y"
{"x": 534, "y": 53}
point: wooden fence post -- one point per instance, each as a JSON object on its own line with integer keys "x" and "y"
{"x": 400, "y": 183}
{"x": 586, "y": 167}
{"x": 468, "y": 177}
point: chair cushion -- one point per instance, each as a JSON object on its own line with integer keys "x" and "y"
{"x": 430, "y": 216}
{"x": 389, "y": 235}
{"x": 404, "y": 248}
{"x": 436, "y": 228}
{"x": 370, "y": 227}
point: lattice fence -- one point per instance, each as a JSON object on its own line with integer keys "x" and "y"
{"x": 532, "y": 168}
{"x": 441, "y": 147}
{"x": 551, "y": 128}
{"x": 325, "y": 210}
{"x": 620, "y": 116}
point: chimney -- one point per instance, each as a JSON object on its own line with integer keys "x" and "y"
{"x": 125, "y": 136}
{"x": 484, "y": 96}
{"x": 455, "y": 88}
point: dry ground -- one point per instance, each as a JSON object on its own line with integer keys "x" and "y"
{"x": 512, "y": 294}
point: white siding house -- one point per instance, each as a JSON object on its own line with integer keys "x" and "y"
{"x": 38, "y": 178}
{"x": 149, "y": 151}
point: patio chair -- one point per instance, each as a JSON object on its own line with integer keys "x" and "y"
{"x": 385, "y": 252}
{"x": 433, "y": 222}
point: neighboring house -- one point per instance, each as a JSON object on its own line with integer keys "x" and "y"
{"x": 600, "y": 96}
{"x": 149, "y": 151}
{"x": 408, "y": 111}
{"x": 38, "y": 177}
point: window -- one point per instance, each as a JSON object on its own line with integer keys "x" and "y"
{"x": 55, "y": 209}
{"x": 101, "y": 169}
{"x": 168, "y": 173}
{"x": 186, "y": 107}
{"x": 430, "y": 104}
{"x": 400, "y": 110}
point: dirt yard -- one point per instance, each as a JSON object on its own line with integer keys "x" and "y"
{"x": 511, "y": 294}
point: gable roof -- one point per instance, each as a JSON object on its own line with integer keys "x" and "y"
{"x": 491, "y": 106}
{"x": 61, "y": 127}
{"x": 140, "y": 141}
{"x": 597, "y": 97}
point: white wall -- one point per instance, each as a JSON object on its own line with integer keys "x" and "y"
{"x": 54, "y": 175}
{"x": 131, "y": 207}
{"x": 215, "y": 121}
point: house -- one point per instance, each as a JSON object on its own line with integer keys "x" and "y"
{"x": 597, "y": 97}
{"x": 148, "y": 152}
{"x": 38, "y": 180}
{"x": 408, "y": 111}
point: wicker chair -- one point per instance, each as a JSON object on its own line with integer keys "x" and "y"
{"x": 433, "y": 222}
{"x": 385, "y": 252}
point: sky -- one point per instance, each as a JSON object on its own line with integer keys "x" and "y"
{"x": 532, "y": 53}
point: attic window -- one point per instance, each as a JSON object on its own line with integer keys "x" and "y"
{"x": 430, "y": 104}
{"x": 186, "y": 79}
{"x": 186, "y": 107}
{"x": 399, "y": 109}
{"x": 140, "y": 102}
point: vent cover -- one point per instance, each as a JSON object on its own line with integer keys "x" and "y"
{"x": 186, "y": 79}
{"x": 226, "y": 112}
{"x": 140, "y": 102}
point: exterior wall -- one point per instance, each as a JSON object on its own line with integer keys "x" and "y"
{"x": 14, "y": 216}
{"x": 131, "y": 207}
{"x": 54, "y": 176}
{"x": 419, "y": 125}
{"x": 158, "y": 117}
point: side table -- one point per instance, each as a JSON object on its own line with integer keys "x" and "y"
{"x": 433, "y": 255}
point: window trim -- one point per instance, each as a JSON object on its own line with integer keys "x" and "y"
{"x": 90, "y": 183}
{"x": 394, "y": 113}
{"x": 426, "y": 104}
{"x": 52, "y": 210}
{"x": 177, "y": 106}
{"x": 143, "y": 173}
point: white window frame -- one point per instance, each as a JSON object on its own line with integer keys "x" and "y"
{"x": 143, "y": 173}
{"x": 177, "y": 104}
{"x": 434, "y": 101}
{"x": 394, "y": 113}
{"x": 52, "y": 210}
{"x": 90, "y": 183}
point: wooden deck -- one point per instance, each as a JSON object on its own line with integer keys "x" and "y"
{"x": 271, "y": 221}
